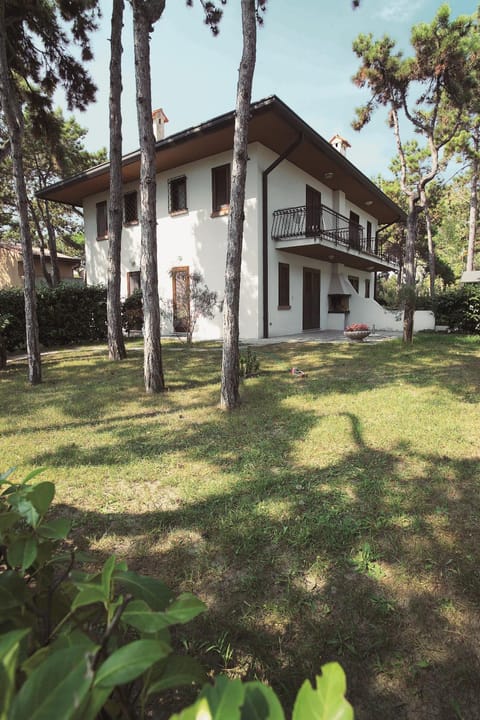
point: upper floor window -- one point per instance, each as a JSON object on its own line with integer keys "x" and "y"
{"x": 177, "y": 195}
{"x": 102, "y": 220}
{"x": 220, "y": 189}
{"x": 130, "y": 208}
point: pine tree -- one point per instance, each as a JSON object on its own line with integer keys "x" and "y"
{"x": 116, "y": 344}
{"x": 438, "y": 78}
{"x": 230, "y": 397}
{"x": 35, "y": 59}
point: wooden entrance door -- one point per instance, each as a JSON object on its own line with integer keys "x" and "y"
{"x": 181, "y": 298}
{"x": 311, "y": 299}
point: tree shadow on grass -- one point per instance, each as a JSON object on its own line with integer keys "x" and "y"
{"x": 350, "y": 562}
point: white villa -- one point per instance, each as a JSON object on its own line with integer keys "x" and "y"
{"x": 312, "y": 243}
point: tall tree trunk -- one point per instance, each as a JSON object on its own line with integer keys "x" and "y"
{"x": 52, "y": 246}
{"x": 13, "y": 117}
{"x": 38, "y": 228}
{"x": 409, "y": 307}
{"x": 144, "y": 15}
{"x": 430, "y": 245}
{"x": 116, "y": 344}
{"x": 473, "y": 216}
{"x": 230, "y": 396}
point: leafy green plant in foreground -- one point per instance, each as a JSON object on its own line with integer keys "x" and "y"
{"x": 74, "y": 642}
{"x": 77, "y": 645}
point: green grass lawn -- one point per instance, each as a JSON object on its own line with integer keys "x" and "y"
{"x": 332, "y": 517}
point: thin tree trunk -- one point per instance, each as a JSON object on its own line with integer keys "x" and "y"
{"x": 473, "y": 215}
{"x": 52, "y": 246}
{"x": 116, "y": 344}
{"x": 230, "y": 396}
{"x": 409, "y": 267}
{"x": 153, "y": 369}
{"x": 43, "y": 262}
{"x": 14, "y": 121}
{"x": 430, "y": 245}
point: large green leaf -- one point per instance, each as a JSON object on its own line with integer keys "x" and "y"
{"x": 225, "y": 698}
{"x": 56, "y": 688}
{"x": 57, "y": 529}
{"x": 107, "y": 573}
{"x": 9, "y": 649}
{"x": 198, "y": 711}
{"x": 139, "y": 615}
{"x": 12, "y": 591}
{"x": 326, "y": 701}
{"x": 177, "y": 670}
{"x": 154, "y": 592}
{"x": 32, "y": 474}
{"x": 184, "y": 609}
{"x": 6, "y": 474}
{"x": 25, "y": 508}
{"x": 130, "y": 661}
{"x": 8, "y": 520}
{"x": 22, "y": 552}
{"x": 261, "y": 703}
{"x": 88, "y": 595}
{"x": 42, "y": 495}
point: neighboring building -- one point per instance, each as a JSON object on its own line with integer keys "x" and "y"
{"x": 11, "y": 265}
{"x": 311, "y": 245}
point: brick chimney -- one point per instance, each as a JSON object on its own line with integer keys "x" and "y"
{"x": 159, "y": 119}
{"x": 340, "y": 144}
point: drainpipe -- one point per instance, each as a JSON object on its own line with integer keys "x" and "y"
{"x": 265, "y": 175}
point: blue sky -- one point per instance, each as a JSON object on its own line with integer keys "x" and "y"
{"x": 304, "y": 56}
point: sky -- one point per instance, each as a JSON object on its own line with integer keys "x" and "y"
{"x": 304, "y": 56}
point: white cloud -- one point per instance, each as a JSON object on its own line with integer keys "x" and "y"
{"x": 399, "y": 10}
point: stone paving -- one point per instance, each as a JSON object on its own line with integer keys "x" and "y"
{"x": 322, "y": 336}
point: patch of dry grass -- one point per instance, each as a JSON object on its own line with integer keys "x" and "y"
{"x": 332, "y": 517}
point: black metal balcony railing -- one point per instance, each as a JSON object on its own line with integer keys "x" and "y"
{"x": 323, "y": 223}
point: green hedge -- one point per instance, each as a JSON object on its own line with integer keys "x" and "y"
{"x": 459, "y": 308}
{"x": 67, "y": 315}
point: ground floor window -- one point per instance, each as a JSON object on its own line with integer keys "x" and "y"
{"x": 133, "y": 282}
{"x": 283, "y": 286}
{"x": 367, "y": 288}
{"x": 181, "y": 298}
{"x": 354, "y": 282}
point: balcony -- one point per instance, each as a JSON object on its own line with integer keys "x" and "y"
{"x": 323, "y": 234}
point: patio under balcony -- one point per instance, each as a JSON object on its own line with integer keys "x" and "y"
{"x": 321, "y": 233}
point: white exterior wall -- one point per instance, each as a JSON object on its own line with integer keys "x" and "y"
{"x": 286, "y": 188}
{"x": 197, "y": 240}
{"x": 192, "y": 239}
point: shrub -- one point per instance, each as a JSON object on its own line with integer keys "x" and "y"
{"x": 132, "y": 312}
{"x": 12, "y": 305}
{"x": 459, "y": 308}
{"x": 67, "y": 315}
{"x": 249, "y": 363}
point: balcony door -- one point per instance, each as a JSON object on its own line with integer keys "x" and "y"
{"x": 311, "y": 299}
{"x": 354, "y": 230}
{"x": 313, "y": 212}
